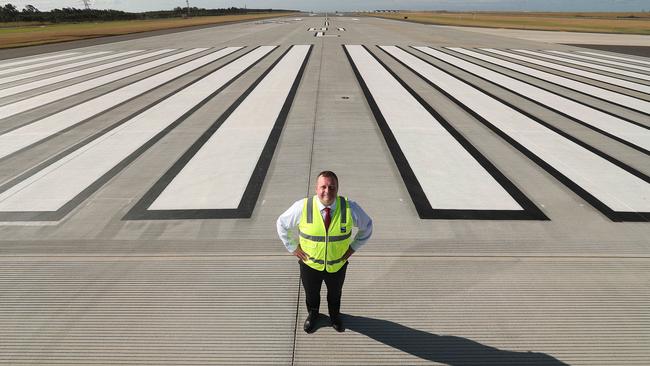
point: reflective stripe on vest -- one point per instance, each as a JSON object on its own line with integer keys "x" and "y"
{"x": 325, "y": 249}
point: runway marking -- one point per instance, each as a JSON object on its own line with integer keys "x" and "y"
{"x": 52, "y": 192}
{"x": 617, "y": 190}
{"x": 317, "y": 29}
{"x": 341, "y": 29}
{"x": 628, "y": 132}
{"x": 36, "y": 59}
{"x": 222, "y": 173}
{"x": 31, "y": 133}
{"x": 446, "y": 176}
{"x": 609, "y": 62}
{"x": 617, "y": 57}
{"x": 74, "y": 74}
{"x": 587, "y": 89}
{"x": 572, "y": 70}
{"x": 9, "y": 79}
{"x": 49, "y": 97}
{"x": 51, "y": 62}
{"x": 587, "y": 64}
{"x": 321, "y": 34}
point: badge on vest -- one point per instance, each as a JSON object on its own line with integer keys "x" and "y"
{"x": 343, "y": 228}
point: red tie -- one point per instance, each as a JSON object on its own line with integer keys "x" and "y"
{"x": 328, "y": 218}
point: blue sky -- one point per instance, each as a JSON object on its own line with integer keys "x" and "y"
{"x": 349, "y": 5}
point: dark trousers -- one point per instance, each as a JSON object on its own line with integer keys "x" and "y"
{"x": 312, "y": 281}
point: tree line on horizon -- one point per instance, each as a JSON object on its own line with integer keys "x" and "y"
{"x": 10, "y": 13}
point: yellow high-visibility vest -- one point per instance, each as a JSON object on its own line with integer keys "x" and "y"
{"x": 325, "y": 249}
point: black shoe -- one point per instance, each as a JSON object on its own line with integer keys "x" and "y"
{"x": 310, "y": 322}
{"x": 337, "y": 324}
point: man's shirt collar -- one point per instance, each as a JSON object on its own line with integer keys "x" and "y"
{"x": 332, "y": 207}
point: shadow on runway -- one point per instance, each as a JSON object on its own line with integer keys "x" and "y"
{"x": 450, "y": 350}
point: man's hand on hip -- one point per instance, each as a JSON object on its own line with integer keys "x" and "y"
{"x": 348, "y": 254}
{"x": 300, "y": 254}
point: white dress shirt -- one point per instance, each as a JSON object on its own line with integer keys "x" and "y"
{"x": 289, "y": 220}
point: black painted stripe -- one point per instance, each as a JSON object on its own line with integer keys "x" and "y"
{"x": 572, "y": 75}
{"x": 611, "y": 214}
{"x": 580, "y": 79}
{"x": 617, "y": 57}
{"x": 599, "y": 61}
{"x": 514, "y": 74}
{"x": 84, "y": 142}
{"x": 621, "y": 140}
{"x": 421, "y": 202}
{"x": 70, "y": 205}
{"x": 566, "y": 62}
{"x": 82, "y": 94}
{"x": 251, "y": 193}
{"x": 83, "y": 78}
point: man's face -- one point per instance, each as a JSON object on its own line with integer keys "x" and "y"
{"x": 326, "y": 190}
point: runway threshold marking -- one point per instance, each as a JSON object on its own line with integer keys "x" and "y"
{"x": 609, "y": 62}
{"x": 572, "y": 70}
{"x": 51, "y": 192}
{"x": 589, "y": 65}
{"x": 627, "y": 132}
{"x": 446, "y": 176}
{"x": 51, "y": 62}
{"x": 628, "y": 59}
{"x": 55, "y": 95}
{"x": 49, "y": 70}
{"x": 584, "y": 88}
{"x": 5, "y": 92}
{"x": 222, "y": 173}
{"x": 27, "y": 135}
{"x": 617, "y": 190}
{"x": 14, "y": 62}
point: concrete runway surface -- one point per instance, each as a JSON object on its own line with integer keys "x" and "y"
{"x": 508, "y": 182}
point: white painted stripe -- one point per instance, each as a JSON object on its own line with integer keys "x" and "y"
{"x": 615, "y": 126}
{"x": 608, "y": 95}
{"x": 9, "y": 79}
{"x": 613, "y": 186}
{"x": 54, "y": 186}
{"x": 75, "y": 74}
{"x": 40, "y": 100}
{"x": 450, "y": 177}
{"x": 587, "y": 64}
{"x": 218, "y": 174}
{"x": 22, "y": 137}
{"x": 14, "y": 62}
{"x": 51, "y": 62}
{"x": 617, "y": 57}
{"x": 609, "y": 62}
{"x": 572, "y": 70}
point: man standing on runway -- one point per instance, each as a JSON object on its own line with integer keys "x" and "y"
{"x": 324, "y": 224}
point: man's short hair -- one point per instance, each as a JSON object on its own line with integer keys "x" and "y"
{"x": 328, "y": 174}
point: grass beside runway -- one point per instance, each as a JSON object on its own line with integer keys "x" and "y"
{"x": 625, "y": 23}
{"x": 25, "y": 34}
